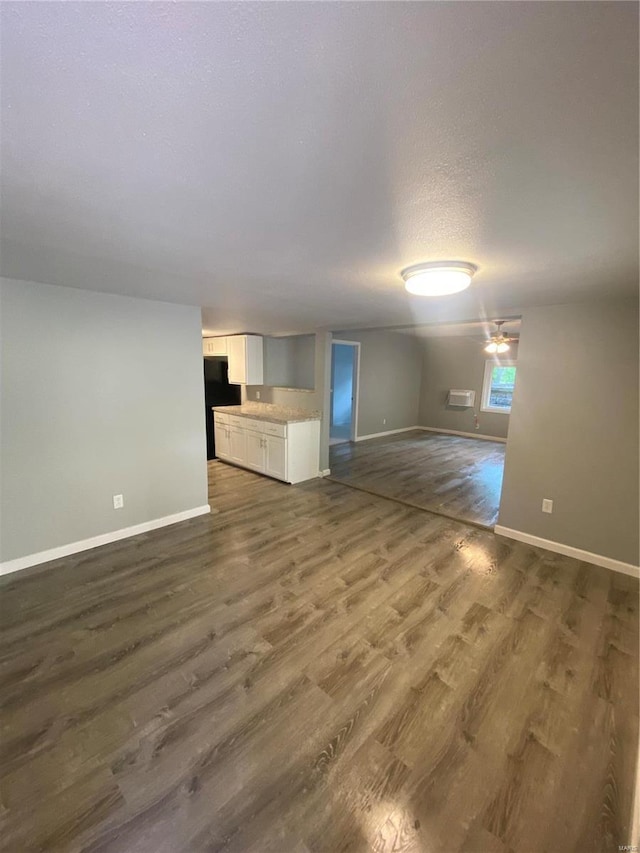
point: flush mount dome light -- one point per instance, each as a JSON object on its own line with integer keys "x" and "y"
{"x": 439, "y": 278}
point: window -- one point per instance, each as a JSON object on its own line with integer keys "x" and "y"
{"x": 497, "y": 389}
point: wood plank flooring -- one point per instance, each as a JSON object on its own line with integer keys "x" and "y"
{"x": 317, "y": 669}
{"x": 458, "y": 477}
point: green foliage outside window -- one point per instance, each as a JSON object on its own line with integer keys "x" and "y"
{"x": 503, "y": 377}
{"x": 502, "y": 383}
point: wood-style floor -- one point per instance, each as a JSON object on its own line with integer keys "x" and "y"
{"x": 317, "y": 669}
{"x": 458, "y": 477}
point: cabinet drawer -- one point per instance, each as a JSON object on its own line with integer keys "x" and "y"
{"x": 235, "y": 421}
{"x": 274, "y": 429}
{"x": 253, "y": 424}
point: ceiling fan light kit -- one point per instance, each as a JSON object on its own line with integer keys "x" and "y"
{"x": 439, "y": 278}
{"x": 492, "y": 347}
{"x": 499, "y": 342}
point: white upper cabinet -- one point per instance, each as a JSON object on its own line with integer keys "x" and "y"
{"x": 245, "y": 359}
{"x": 214, "y": 346}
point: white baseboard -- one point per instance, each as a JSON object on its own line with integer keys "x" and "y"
{"x": 95, "y": 541}
{"x": 634, "y": 838}
{"x": 464, "y": 434}
{"x": 431, "y": 429}
{"x": 569, "y": 551}
{"x": 326, "y": 472}
{"x": 388, "y": 432}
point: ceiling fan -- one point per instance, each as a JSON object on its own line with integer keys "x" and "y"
{"x": 499, "y": 341}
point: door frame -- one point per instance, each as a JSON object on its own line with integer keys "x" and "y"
{"x": 356, "y": 386}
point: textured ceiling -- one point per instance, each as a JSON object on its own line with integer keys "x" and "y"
{"x": 279, "y": 163}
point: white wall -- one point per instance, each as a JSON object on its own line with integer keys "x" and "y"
{"x": 101, "y": 395}
{"x": 573, "y": 435}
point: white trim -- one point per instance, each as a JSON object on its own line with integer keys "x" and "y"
{"x": 326, "y": 472}
{"x": 634, "y": 838}
{"x": 569, "y": 551}
{"x": 388, "y": 432}
{"x": 96, "y": 541}
{"x": 356, "y": 389}
{"x": 465, "y": 434}
{"x": 486, "y": 384}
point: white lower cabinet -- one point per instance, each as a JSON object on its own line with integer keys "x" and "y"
{"x": 223, "y": 439}
{"x": 286, "y": 452}
{"x": 255, "y": 451}
{"x": 237, "y": 445}
{"x": 275, "y": 457}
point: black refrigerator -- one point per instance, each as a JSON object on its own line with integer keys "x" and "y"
{"x": 217, "y": 392}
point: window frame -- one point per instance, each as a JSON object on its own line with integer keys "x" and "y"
{"x": 486, "y": 385}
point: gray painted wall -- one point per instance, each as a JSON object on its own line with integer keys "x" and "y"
{"x": 278, "y": 367}
{"x": 304, "y": 355}
{"x": 390, "y": 368}
{"x": 289, "y": 361}
{"x": 457, "y": 362}
{"x": 101, "y": 395}
{"x": 573, "y": 435}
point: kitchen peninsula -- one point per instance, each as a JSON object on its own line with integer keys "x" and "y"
{"x": 277, "y": 441}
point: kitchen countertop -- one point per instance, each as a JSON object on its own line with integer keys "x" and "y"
{"x": 269, "y": 412}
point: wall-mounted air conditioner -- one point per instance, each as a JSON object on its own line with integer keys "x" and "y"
{"x": 461, "y": 398}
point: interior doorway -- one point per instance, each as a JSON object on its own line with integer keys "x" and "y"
{"x": 344, "y": 391}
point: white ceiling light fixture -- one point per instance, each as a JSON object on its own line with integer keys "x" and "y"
{"x": 439, "y": 278}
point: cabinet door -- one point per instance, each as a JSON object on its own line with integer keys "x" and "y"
{"x": 255, "y": 451}
{"x": 276, "y": 457}
{"x": 237, "y": 445}
{"x": 254, "y": 374}
{"x": 221, "y": 434}
{"x": 214, "y": 346}
{"x": 237, "y": 353}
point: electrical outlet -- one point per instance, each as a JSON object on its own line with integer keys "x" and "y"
{"x": 547, "y": 505}
{"x": 118, "y": 501}
{"x": 257, "y": 395}
{"x": 384, "y": 422}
